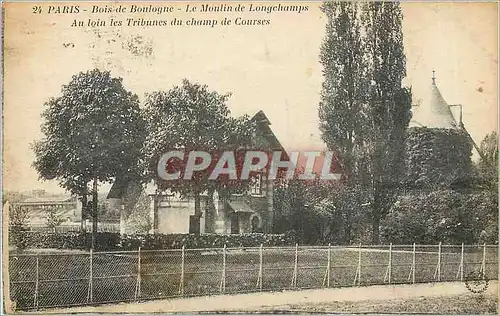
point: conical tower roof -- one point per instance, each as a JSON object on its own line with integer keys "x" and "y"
{"x": 434, "y": 112}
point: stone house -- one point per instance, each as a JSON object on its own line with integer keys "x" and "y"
{"x": 246, "y": 212}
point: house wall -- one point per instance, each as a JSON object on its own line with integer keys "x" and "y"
{"x": 263, "y": 205}
{"x": 173, "y": 215}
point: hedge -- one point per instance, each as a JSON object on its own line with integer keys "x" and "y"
{"x": 447, "y": 216}
{"x": 116, "y": 242}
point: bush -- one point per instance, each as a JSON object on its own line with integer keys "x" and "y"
{"x": 18, "y": 218}
{"x": 446, "y": 216}
{"x": 113, "y": 241}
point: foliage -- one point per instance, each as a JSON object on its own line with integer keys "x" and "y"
{"x": 438, "y": 158}
{"x": 114, "y": 241}
{"x": 18, "y": 219}
{"x": 446, "y": 216}
{"x": 389, "y": 106}
{"x": 94, "y": 130}
{"x": 192, "y": 118}
{"x": 487, "y": 166}
{"x": 344, "y": 88}
{"x": 343, "y": 97}
{"x": 53, "y": 218}
{"x": 18, "y": 216}
{"x": 343, "y": 214}
{"x": 364, "y": 111}
{"x": 292, "y": 206}
{"x": 320, "y": 212}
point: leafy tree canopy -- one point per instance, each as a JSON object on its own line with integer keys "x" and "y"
{"x": 189, "y": 118}
{"x": 94, "y": 129}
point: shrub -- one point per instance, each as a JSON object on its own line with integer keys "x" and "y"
{"x": 18, "y": 218}
{"x": 113, "y": 241}
{"x": 446, "y": 216}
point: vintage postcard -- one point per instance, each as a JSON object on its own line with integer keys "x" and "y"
{"x": 252, "y": 157}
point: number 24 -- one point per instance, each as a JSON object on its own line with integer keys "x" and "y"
{"x": 37, "y": 10}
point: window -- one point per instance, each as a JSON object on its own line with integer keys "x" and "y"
{"x": 256, "y": 186}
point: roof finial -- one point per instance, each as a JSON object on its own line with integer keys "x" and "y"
{"x": 433, "y": 76}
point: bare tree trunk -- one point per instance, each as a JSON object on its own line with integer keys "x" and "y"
{"x": 376, "y": 213}
{"x": 94, "y": 213}
{"x": 348, "y": 228}
{"x": 194, "y": 225}
{"x": 210, "y": 213}
{"x": 83, "y": 199}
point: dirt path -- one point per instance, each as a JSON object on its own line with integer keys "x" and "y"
{"x": 256, "y": 301}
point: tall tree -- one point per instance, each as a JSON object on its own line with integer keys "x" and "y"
{"x": 488, "y": 162}
{"x": 93, "y": 132}
{"x": 343, "y": 92}
{"x": 344, "y": 89}
{"x": 487, "y": 167}
{"x": 389, "y": 106}
{"x": 364, "y": 109}
{"x": 190, "y": 118}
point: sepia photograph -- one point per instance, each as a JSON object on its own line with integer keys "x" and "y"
{"x": 250, "y": 157}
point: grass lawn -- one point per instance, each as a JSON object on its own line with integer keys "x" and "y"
{"x": 64, "y": 277}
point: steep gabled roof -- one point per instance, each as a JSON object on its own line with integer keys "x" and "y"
{"x": 118, "y": 189}
{"x": 263, "y": 124}
{"x": 434, "y": 112}
{"x": 260, "y": 117}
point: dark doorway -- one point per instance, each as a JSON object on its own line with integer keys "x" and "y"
{"x": 255, "y": 225}
{"x": 235, "y": 224}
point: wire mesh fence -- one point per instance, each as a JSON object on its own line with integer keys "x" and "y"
{"x": 69, "y": 279}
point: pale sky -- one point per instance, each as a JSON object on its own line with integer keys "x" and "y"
{"x": 274, "y": 68}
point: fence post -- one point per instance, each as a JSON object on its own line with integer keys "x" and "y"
{"x": 37, "y": 275}
{"x": 414, "y": 264}
{"x": 223, "y": 280}
{"x": 437, "y": 273}
{"x": 483, "y": 265}
{"x": 357, "y": 276}
{"x": 439, "y": 263}
{"x": 138, "y": 284}
{"x": 461, "y": 266}
{"x": 259, "y": 278}
{"x": 389, "y": 267}
{"x": 329, "y": 265}
{"x": 411, "y": 275}
{"x": 295, "y": 267}
{"x": 90, "y": 299}
{"x": 181, "y": 285}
